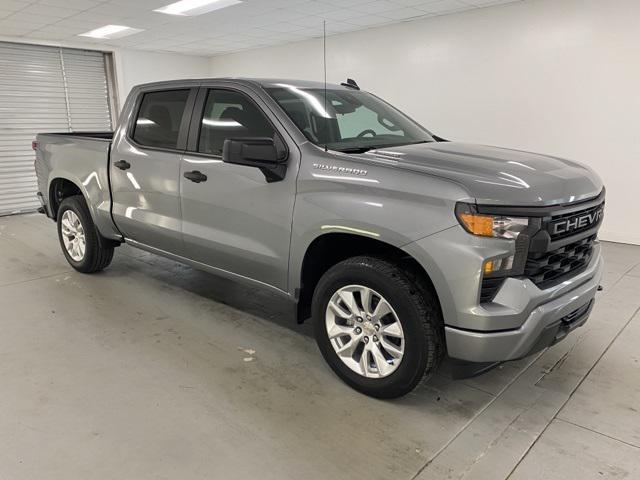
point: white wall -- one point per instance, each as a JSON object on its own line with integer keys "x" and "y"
{"x": 134, "y": 67}
{"x": 555, "y": 76}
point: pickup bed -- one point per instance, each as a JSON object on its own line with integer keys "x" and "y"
{"x": 403, "y": 247}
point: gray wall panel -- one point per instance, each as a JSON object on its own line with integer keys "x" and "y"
{"x": 44, "y": 89}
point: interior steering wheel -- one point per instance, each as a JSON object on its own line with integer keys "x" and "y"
{"x": 365, "y": 132}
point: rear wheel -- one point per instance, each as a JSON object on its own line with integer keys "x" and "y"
{"x": 84, "y": 248}
{"x": 379, "y": 329}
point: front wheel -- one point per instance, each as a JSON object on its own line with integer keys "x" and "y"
{"x": 84, "y": 248}
{"x": 377, "y": 326}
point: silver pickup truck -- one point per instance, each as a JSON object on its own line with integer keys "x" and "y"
{"x": 403, "y": 247}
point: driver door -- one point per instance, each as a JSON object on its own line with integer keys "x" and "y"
{"x": 233, "y": 219}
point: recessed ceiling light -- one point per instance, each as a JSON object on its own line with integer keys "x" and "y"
{"x": 111, "y": 31}
{"x": 196, "y": 7}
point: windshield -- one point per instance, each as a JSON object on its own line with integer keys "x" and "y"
{"x": 349, "y": 121}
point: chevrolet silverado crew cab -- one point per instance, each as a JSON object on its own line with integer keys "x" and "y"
{"x": 403, "y": 247}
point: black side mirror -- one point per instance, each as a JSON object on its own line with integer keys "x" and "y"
{"x": 268, "y": 154}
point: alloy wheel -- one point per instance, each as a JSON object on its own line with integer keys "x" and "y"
{"x": 73, "y": 236}
{"x": 365, "y": 331}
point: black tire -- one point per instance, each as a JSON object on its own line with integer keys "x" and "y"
{"x": 416, "y": 307}
{"x": 98, "y": 251}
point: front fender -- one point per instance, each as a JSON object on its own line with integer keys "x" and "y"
{"x": 389, "y": 205}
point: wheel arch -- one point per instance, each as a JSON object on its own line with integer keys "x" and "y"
{"x": 63, "y": 184}
{"x": 329, "y": 249}
{"x": 59, "y": 189}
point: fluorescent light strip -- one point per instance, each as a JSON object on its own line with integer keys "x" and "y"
{"x": 196, "y": 7}
{"x": 111, "y": 31}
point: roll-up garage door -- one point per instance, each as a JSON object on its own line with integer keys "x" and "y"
{"x": 44, "y": 89}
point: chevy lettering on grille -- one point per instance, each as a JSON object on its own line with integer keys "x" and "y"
{"x": 577, "y": 222}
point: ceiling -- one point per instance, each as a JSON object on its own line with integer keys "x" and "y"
{"x": 251, "y": 24}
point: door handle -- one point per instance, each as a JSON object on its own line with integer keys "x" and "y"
{"x": 122, "y": 165}
{"x": 195, "y": 176}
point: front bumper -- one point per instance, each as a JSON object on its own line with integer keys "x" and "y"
{"x": 520, "y": 320}
{"x": 546, "y": 325}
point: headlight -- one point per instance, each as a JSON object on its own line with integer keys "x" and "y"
{"x": 484, "y": 225}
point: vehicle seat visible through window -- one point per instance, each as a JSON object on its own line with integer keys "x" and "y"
{"x": 239, "y": 118}
{"x": 156, "y": 128}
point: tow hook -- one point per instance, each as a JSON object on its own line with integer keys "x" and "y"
{"x": 600, "y": 288}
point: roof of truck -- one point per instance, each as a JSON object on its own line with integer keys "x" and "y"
{"x": 263, "y": 82}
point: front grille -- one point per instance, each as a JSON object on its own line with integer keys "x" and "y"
{"x": 546, "y": 269}
{"x": 550, "y": 268}
{"x": 547, "y": 252}
{"x": 575, "y": 231}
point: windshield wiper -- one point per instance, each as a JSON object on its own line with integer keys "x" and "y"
{"x": 364, "y": 149}
{"x": 413, "y": 143}
{"x": 355, "y": 149}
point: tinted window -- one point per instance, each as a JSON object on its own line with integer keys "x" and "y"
{"x": 229, "y": 114}
{"x": 159, "y": 118}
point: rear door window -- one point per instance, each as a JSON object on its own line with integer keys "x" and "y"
{"x": 159, "y": 118}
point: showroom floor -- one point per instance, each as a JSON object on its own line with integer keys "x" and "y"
{"x": 154, "y": 370}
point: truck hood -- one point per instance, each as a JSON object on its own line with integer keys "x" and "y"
{"x": 495, "y": 175}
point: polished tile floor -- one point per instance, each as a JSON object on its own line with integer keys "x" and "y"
{"x": 152, "y": 370}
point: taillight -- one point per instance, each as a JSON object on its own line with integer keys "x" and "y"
{"x": 34, "y": 145}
